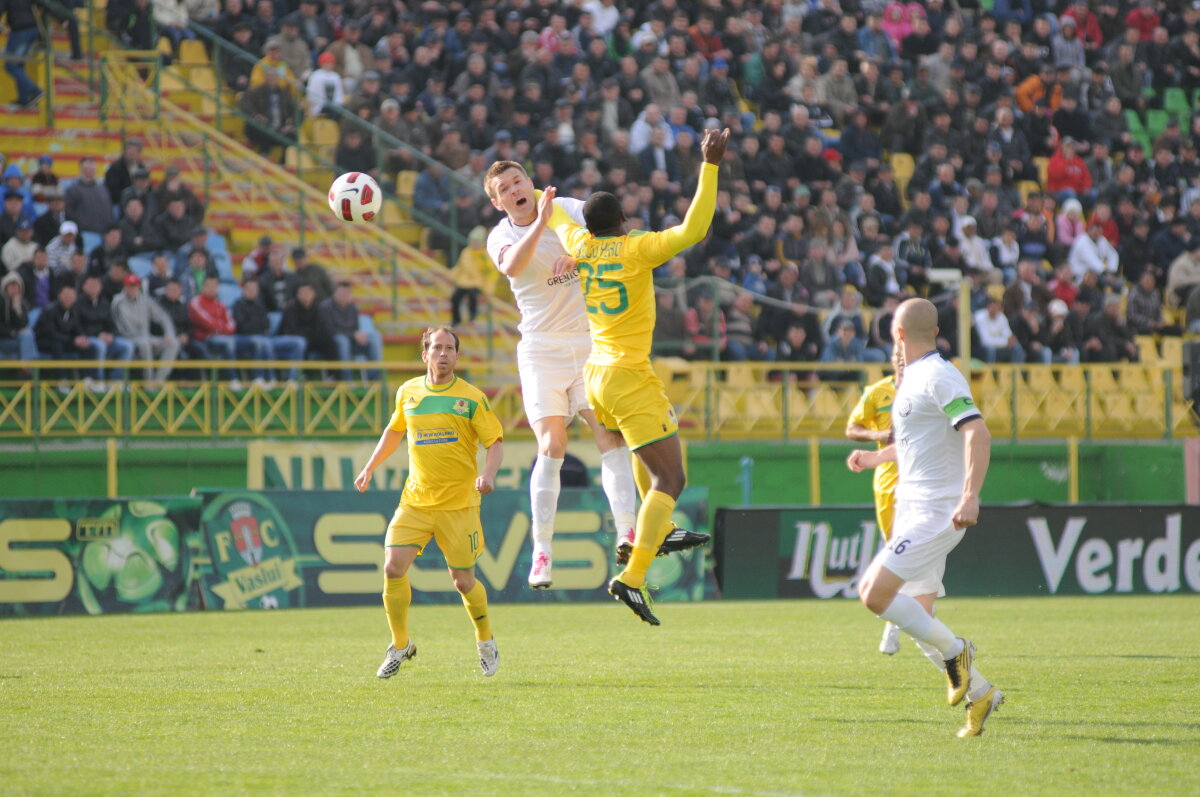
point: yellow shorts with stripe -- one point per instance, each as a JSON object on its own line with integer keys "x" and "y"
{"x": 632, "y": 401}
{"x": 885, "y": 512}
{"x": 458, "y": 532}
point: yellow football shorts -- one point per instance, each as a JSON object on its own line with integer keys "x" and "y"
{"x": 632, "y": 401}
{"x": 458, "y": 532}
{"x": 885, "y": 512}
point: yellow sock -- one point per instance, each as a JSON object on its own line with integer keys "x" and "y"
{"x": 477, "y": 609}
{"x": 653, "y": 526}
{"x": 641, "y": 477}
{"x": 397, "y": 595}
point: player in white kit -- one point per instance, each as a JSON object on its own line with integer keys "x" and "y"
{"x": 555, "y": 344}
{"x": 942, "y": 451}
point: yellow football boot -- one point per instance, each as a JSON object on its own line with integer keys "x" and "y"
{"x": 958, "y": 673}
{"x": 978, "y": 711}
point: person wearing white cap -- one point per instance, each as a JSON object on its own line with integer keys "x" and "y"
{"x": 63, "y": 245}
{"x": 975, "y": 250}
{"x": 1059, "y": 337}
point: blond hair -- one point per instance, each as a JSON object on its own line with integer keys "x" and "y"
{"x": 427, "y": 337}
{"x": 495, "y": 170}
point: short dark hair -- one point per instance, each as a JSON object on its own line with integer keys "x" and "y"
{"x": 602, "y": 212}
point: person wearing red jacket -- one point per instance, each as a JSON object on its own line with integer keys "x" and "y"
{"x": 1089, "y": 27}
{"x": 1144, "y": 19}
{"x": 1067, "y": 176}
{"x": 212, "y": 325}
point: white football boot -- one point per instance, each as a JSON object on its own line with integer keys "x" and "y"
{"x": 489, "y": 657}
{"x": 394, "y": 658}
{"x": 540, "y": 574}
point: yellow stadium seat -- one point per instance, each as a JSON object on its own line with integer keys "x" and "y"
{"x": 325, "y": 133}
{"x": 1042, "y": 165}
{"x": 1172, "y": 350}
{"x": 903, "y": 165}
{"x": 192, "y": 52}
{"x": 1027, "y": 187}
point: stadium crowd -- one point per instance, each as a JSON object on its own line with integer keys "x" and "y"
{"x": 1037, "y": 147}
{"x": 112, "y": 267}
{"x": 879, "y": 146}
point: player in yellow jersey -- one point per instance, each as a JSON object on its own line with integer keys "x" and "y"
{"x": 871, "y": 421}
{"x": 616, "y": 275}
{"x": 446, "y": 420}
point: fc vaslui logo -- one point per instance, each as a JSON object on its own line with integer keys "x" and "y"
{"x": 253, "y": 554}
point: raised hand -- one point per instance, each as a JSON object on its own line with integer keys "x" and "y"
{"x": 713, "y": 145}
{"x": 546, "y": 204}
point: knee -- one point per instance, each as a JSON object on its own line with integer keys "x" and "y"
{"x": 672, "y": 482}
{"x": 464, "y": 580}
{"x": 394, "y": 569}
{"x": 873, "y": 598}
{"x": 552, "y": 443}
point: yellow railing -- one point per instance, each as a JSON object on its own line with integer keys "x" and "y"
{"x": 721, "y": 401}
{"x": 384, "y": 268}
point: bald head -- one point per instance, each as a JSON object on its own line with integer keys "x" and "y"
{"x": 917, "y": 320}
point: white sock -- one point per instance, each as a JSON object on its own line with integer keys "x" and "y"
{"x": 616, "y": 475}
{"x": 544, "y": 486}
{"x": 978, "y": 685}
{"x": 931, "y": 653}
{"x": 913, "y": 620}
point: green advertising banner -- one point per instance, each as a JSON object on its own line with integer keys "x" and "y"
{"x": 802, "y": 552}
{"x": 72, "y": 556}
{"x": 268, "y": 549}
{"x": 250, "y": 549}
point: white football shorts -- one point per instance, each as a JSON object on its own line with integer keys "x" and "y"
{"x": 922, "y": 536}
{"x": 551, "y": 369}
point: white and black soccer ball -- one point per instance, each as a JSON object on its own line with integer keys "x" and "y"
{"x": 355, "y": 197}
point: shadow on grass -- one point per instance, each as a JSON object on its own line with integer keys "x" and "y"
{"x": 1126, "y": 740}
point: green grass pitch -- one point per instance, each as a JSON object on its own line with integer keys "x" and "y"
{"x": 727, "y": 698}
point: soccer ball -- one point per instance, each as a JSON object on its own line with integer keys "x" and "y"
{"x": 355, "y": 197}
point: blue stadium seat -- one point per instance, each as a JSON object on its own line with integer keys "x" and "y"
{"x": 141, "y": 264}
{"x": 228, "y": 294}
{"x": 90, "y": 241}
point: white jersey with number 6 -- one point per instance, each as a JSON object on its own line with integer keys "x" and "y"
{"x": 932, "y": 402}
{"x": 549, "y": 305}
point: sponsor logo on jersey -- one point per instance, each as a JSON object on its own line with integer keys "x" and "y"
{"x": 433, "y": 437}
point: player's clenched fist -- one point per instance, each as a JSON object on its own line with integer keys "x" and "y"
{"x": 363, "y": 481}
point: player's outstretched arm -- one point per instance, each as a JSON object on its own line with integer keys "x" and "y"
{"x": 389, "y": 441}
{"x": 977, "y": 455}
{"x": 491, "y": 465}
{"x": 699, "y": 216}
{"x": 515, "y": 258}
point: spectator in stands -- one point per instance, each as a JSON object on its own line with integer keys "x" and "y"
{"x": 884, "y": 278}
{"x": 312, "y": 274}
{"x": 1115, "y": 337}
{"x": 339, "y": 316}
{"x": 14, "y": 214}
{"x": 1144, "y": 308}
{"x": 23, "y": 34}
{"x": 16, "y": 336}
{"x": 795, "y": 347}
{"x": 996, "y": 338}
{"x": 44, "y": 180}
{"x": 324, "y": 89}
{"x": 844, "y": 347}
{"x": 175, "y": 305}
{"x": 173, "y": 227}
{"x": 18, "y": 249}
{"x": 1067, "y": 176}
{"x": 270, "y": 113}
{"x": 671, "y": 338}
{"x": 72, "y": 275}
{"x": 352, "y": 57}
{"x": 1026, "y": 288}
{"x": 301, "y": 319}
{"x": 1060, "y": 335}
{"x": 1032, "y": 334}
{"x": 37, "y": 279}
{"x": 213, "y": 327}
{"x": 194, "y": 272}
{"x": 744, "y": 339}
{"x": 788, "y": 305}
{"x": 235, "y": 67}
{"x": 95, "y": 318}
{"x": 171, "y": 18}
{"x": 254, "y": 339}
{"x": 138, "y": 231}
{"x": 470, "y": 276}
{"x": 133, "y": 313}
{"x": 63, "y": 245}
{"x": 161, "y": 273}
{"x": 110, "y": 248}
{"x": 59, "y": 333}
{"x": 255, "y": 263}
{"x": 272, "y": 60}
{"x": 355, "y": 152}
{"x": 171, "y": 188}
{"x": 277, "y": 283}
{"x": 119, "y": 175}
{"x": 140, "y": 188}
{"x": 293, "y": 49}
{"x": 1093, "y": 252}
{"x": 88, "y": 202}
{"x": 1184, "y": 274}
{"x": 48, "y": 224}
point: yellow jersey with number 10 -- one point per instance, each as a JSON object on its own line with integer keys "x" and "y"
{"x": 616, "y": 275}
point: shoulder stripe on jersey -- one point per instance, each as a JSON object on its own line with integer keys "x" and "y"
{"x": 444, "y": 405}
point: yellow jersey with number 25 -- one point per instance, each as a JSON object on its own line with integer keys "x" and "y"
{"x": 616, "y": 275}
